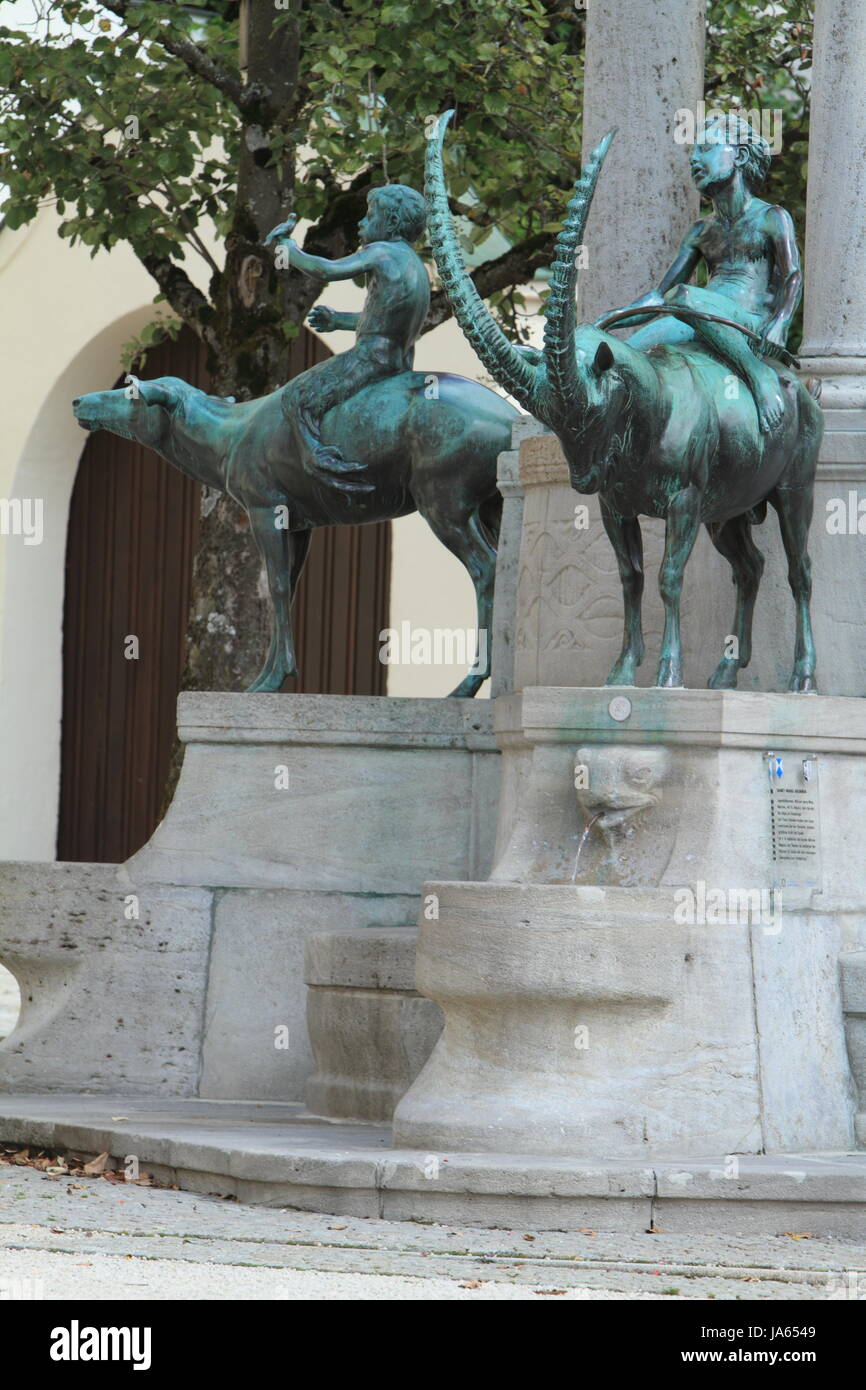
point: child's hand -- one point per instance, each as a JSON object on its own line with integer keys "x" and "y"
{"x": 772, "y": 336}
{"x": 282, "y": 229}
{"x": 322, "y": 318}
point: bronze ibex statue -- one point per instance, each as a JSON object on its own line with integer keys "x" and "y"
{"x": 656, "y": 433}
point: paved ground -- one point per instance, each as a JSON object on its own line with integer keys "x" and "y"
{"x": 87, "y": 1238}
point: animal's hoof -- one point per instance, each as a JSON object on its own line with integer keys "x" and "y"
{"x": 725, "y": 675}
{"x": 621, "y": 675}
{"x": 469, "y": 686}
{"x": 802, "y": 685}
{"x": 269, "y": 681}
{"x": 670, "y": 676}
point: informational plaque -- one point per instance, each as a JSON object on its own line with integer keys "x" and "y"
{"x": 795, "y": 822}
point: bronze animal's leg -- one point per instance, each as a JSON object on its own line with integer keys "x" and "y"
{"x": 475, "y": 552}
{"x": 733, "y": 539}
{"x": 625, "y": 537}
{"x": 682, "y": 525}
{"x": 278, "y": 549}
{"x": 794, "y": 507}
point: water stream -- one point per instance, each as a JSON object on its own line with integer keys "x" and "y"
{"x": 583, "y": 839}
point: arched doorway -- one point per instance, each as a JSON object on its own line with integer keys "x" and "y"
{"x": 131, "y": 542}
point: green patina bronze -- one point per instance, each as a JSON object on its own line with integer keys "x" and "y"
{"x": 652, "y": 424}
{"x": 358, "y": 438}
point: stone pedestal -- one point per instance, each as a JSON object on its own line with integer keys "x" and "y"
{"x": 633, "y": 979}
{"x": 370, "y": 1030}
{"x": 182, "y": 971}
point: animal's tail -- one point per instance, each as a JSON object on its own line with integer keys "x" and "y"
{"x": 490, "y": 518}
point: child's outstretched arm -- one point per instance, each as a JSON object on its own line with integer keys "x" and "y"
{"x": 346, "y": 268}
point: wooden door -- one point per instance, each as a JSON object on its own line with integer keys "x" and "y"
{"x": 131, "y": 543}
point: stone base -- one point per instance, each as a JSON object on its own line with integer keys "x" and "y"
{"x": 279, "y": 1156}
{"x": 632, "y": 979}
{"x": 370, "y": 1030}
{"x": 586, "y": 1021}
{"x": 181, "y": 972}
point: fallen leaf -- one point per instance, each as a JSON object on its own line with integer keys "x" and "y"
{"x": 338, "y": 1228}
{"x": 798, "y": 1235}
{"x": 96, "y": 1165}
{"x": 529, "y": 1237}
{"x": 585, "y": 1231}
{"x": 471, "y": 1284}
{"x": 549, "y": 1291}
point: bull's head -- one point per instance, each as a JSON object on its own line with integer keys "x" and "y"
{"x": 565, "y": 385}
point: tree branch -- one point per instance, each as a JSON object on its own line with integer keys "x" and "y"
{"x": 188, "y": 302}
{"x": 196, "y": 59}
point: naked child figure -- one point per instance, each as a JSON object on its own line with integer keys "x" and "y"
{"x": 750, "y": 251}
{"x": 386, "y": 329}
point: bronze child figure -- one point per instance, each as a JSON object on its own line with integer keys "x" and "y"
{"x": 386, "y": 329}
{"x": 750, "y": 252}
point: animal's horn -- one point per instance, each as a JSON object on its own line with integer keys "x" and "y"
{"x": 561, "y": 316}
{"x": 505, "y": 363}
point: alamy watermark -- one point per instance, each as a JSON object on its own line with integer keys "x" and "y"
{"x": 22, "y": 516}
{"x": 703, "y": 906}
{"x": 846, "y": 516}
{"x": 437, "y": 646}
{"x": 715, "y": 126}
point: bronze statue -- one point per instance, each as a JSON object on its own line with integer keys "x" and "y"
{"x": 398, "y": 298}
{"x": 655, "y": 429}
{"x": 359, "y": 438}
{"x": 750, "y": 251}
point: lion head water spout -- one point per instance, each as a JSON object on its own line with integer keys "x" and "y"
{"x": 622, "y": 784}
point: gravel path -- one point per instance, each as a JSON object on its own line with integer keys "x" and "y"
{"x": 89, "y": 1238}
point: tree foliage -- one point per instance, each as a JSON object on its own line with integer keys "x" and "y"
{"x": 136, "y": 120}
